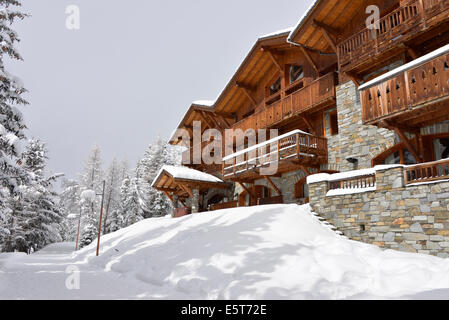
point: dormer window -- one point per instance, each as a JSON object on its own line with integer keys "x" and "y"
{"x": 275, "y": 87}
{"x": 296, "y": 73}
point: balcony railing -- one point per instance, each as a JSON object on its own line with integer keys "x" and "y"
{"x": 418, "y": 83}
{"x": 294, "y": 146}
{"x": 318, "y": 92}
{"x": 408, "y": 19}
{"x": 427, "y": 172}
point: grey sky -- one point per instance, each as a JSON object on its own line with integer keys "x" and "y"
{"x": 132, "y": 69}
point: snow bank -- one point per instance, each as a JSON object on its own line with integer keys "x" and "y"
{"x": 266, "y": 252}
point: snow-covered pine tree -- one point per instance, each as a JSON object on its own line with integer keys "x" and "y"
{"x": 70, "y": 206}
{"x": 90, "y": 185}
{"x": 157, "y": 155}
{"x": 41, "y": 207}
{"x": 12, "y": 125}
{"x": 89, "y": 228}
{"x": 112, "y": 191}
{"x": 132, "y": 207}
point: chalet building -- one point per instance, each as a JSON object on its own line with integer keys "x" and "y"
{"x": 346, "y": 97}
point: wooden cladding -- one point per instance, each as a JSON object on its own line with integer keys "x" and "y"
{"x": 276, "y": 110}
{"x": 410, "y": 17}
{"x": 421, "y": 85}
{"x": 298, "y": 148}
{"x": 427, "y": 172}
{"x": 360, "y": 182}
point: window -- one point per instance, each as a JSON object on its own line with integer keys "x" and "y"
{"x": 333, "y": 123}
{"x": 441, "y": 148}
{"x": 275, "y": 87}
{"x": 296, "y": 73}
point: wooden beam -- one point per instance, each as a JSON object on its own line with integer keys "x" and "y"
{"x": 309, "y": 58}
{"x": 354, "y": 78}
{"x": 308, "y": 124}
{"x": 246, "y": 189}
{"x": 324, "y": 30}
{"x": 273, "y": 58}
{"x": 306, "y": 170}
{"x": 202, "y": 115}
{"x": 403, "y": 127}
{"x": 247, "y": 92}
{"x": 326, "y": 27}
{"x": 407, "y": 143}
{"x": 169, "y": 196}
{"x": 186, "y": 189}
{"x": 279, "y": 192}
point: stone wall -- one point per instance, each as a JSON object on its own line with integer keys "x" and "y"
{"x": 413, "y": 218}
{"x": 354, "y": 140}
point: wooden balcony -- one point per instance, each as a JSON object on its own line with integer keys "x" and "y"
{"x": 427, "y": 172}
{"x": 285, "y": 153}
{"x": 275, "y": 110}
{"x": 414, "y": 97}
{"x": 403, "y": 24}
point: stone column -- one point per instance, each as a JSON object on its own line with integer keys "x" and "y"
{"x": 195, "y": 201}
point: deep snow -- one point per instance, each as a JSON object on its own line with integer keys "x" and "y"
{"x": 268, "y": 252}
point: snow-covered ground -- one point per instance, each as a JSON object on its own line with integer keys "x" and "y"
{"x": 269, "y": 252}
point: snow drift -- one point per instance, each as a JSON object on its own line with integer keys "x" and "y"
{"x": 267, "y": 252}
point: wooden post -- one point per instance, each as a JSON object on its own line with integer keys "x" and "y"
{"x": 101, "y": 218}
{"x": 78, "y": 233}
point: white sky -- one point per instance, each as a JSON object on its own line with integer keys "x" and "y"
{"x": 132, "y": 69}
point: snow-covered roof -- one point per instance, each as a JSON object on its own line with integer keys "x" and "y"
{"x": 415, "y": 63}
{"x": 276, "y": 33}
{"x": 301, "y": 21}
{"x": 263, "y": 144}
{"x": 204, "y": 103}
{"x": 184, "y": 173}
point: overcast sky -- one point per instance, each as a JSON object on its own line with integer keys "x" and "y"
{"x": 132, "y": 69}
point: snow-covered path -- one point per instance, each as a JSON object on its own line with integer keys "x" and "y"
{"x": 43, "y": 276}
{"x": 269, "y": 252}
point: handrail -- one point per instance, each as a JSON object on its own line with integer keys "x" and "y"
{"x": 393, "y": 26}
{"x": 427, "y": 172}
{"x": 358, "y": 182}
{"x": 419, "y": 82}
{"x": 294, "y": 103}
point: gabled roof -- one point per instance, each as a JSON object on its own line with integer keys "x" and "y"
{"x": 246, "y": 74}
{"x": 333, "y": 15}
{"x": 181, "y": 181}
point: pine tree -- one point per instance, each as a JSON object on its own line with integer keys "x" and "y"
{"x": 157, "y": 155}
{"x": 132, "y": 206}
{"x": 70, "y": 206}
{"x": 90, "y": 185}
{"x": 12, "y": 125}
{"x": 112, "y": 192}
{"x": 36, "y": 213}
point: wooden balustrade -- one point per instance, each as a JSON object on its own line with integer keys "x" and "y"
{"x": 417, "y": 86}
{"x": 359, "y": 182}
{"x": 296, "y": 146}
{"x": 271, "y": 200}
{"x": 225, "y": 205}
{"x": 318, "y": 92}
{"x": 427, "y": 172}
{"x": 410, "y": 18}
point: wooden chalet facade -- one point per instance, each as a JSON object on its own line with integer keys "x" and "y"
{"x": 342, "y": 96}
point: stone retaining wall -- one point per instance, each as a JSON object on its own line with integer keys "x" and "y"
{"x": 406, "y": 218}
